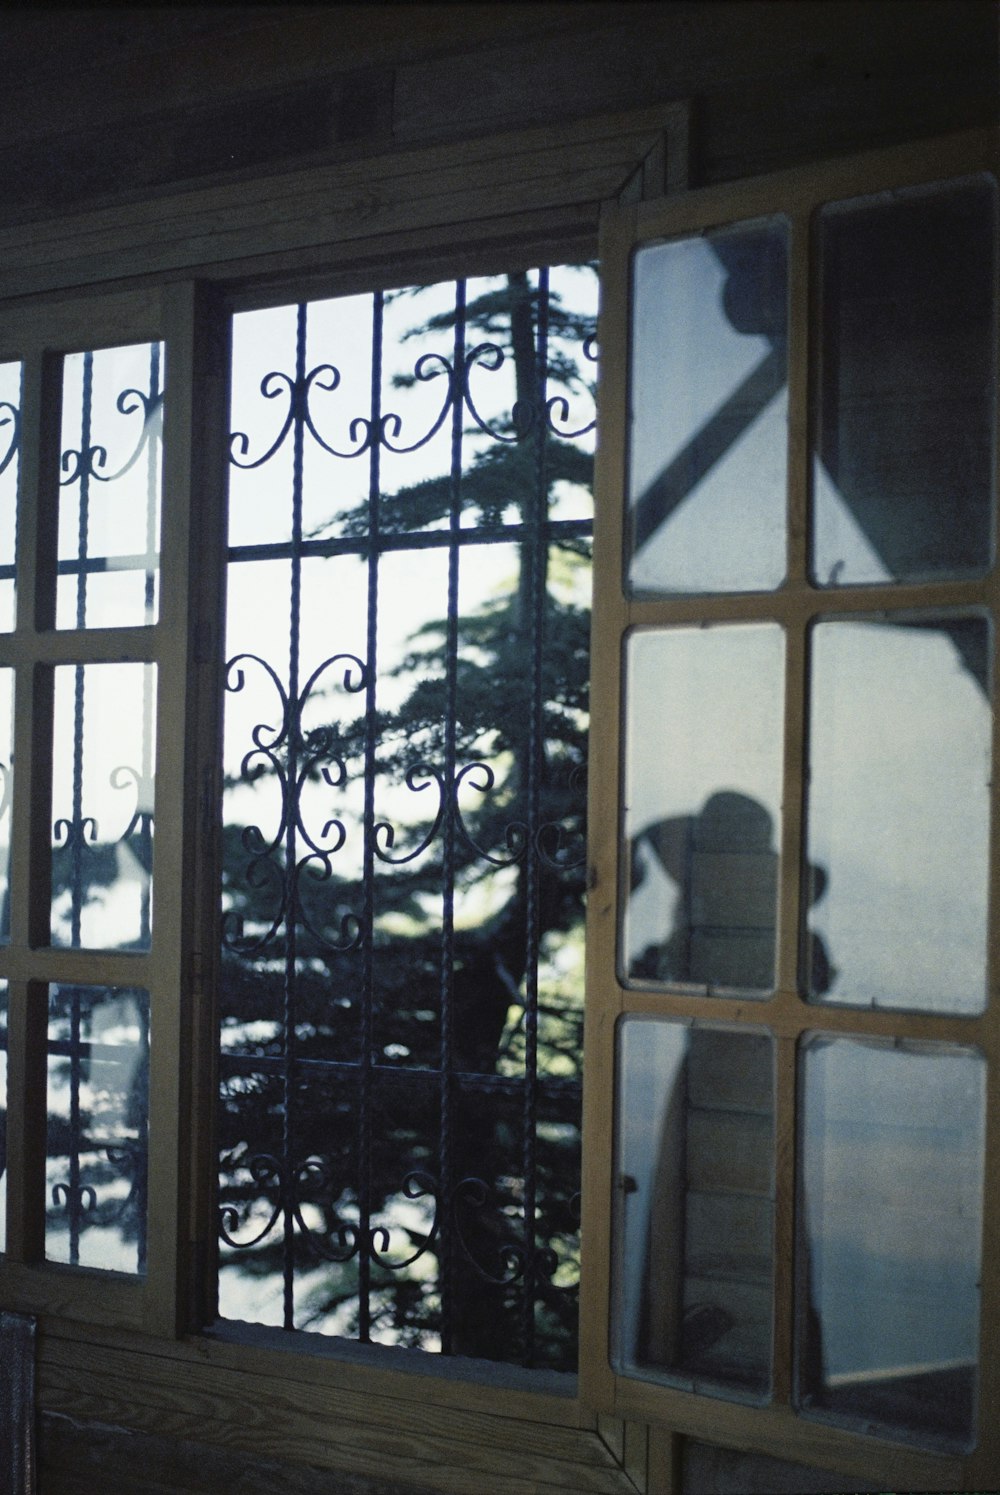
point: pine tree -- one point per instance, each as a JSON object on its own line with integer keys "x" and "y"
{"x": 514, "y": 477}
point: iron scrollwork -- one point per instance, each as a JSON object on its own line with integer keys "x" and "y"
{"x": 463, "y": 1199}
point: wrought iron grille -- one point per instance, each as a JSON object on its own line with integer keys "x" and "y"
{"x": 102, "y": 858}
{"x": 408, "y": 605}
{"x": 102, "y": 797}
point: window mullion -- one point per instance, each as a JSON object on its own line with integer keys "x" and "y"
{"x": 30, "y": 896}
{"x": 603, "y": 993}
{"x": 186, "y": 754}
{"x": 985, "y": 1459}
{"x": 791, "y": 853}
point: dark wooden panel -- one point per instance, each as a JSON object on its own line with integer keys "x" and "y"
{"x": 79, "y": 1458}
{"x": 707, "y": 1470}
{"x": 102, "y": 106}
{"x": 778, "y": 83}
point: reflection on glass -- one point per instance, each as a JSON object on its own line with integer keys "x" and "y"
{"x": 892, "y": 1172}
{"x": 98, "y": 1122}
{"x": 703, "y": 804}
{"x": 695, "y": 1186}
{"x": 899, "y": 813}
{"x": 102, "y": 805}
{"x": 10, "y": 442}
{"x": 903, "y": 470}
{"x": 109, "y": 504}
{"x": 708, "y": 438}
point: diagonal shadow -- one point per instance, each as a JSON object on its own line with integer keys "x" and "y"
{"x": 708, "y": 445}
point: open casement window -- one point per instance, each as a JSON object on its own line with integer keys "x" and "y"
{"x": 792, "y": 945}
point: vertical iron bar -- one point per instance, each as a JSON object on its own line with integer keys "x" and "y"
{"x": 74, "y": 1200}
{"x": 146, "y": 768}
{"x": 535, "y": 541}
{"x": 145, "y": 826}
{"x": 142, "y": 1142}
{"x": 368, "y": 839}
{"x": 291, "y": 829}
{"x": 447, "y": 1168}
{"x": 152, "y": 485}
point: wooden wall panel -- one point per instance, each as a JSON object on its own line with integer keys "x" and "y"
{"x": 98, "y": 109}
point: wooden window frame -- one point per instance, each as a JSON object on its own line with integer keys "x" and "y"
{"x": 175, "y": 267}
{"x": 775, "y": 1429}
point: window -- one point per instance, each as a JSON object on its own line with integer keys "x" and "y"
{"x": 795, "y": 900}
{"x": 790, "y": 1037}
{"x": 402, "y": 975}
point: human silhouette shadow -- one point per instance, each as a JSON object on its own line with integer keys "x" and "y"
{"x": 722, "y": 928}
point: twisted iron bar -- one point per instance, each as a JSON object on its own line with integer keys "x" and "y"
{"x": 561, "y": 404}
{"x": 418, "y": 777}
{"x": 89, "y": 459}
{"x": 298, "y": 1186}
{"x": 75, "y": 1199}
{"x": 281, "y": 752}
{"x": 312, "y": 1182}
{"x": 364, "y": 431}
{"x": 12, "y": 419}
{"x": 77, "y": 831}
{"x": 263, "y": 866}
{"x": 517, "y": 835}
{"x": 81, "y": 1199}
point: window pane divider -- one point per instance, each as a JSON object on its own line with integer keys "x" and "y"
{"x": 796, "y": 605}
{"x": 192, "y": 476}
{"x": 986, "y": 1457}
{"x": 788, "y": 1015}
{"x": 85, "y": 967}
{"x": 603, "y": 997}
{"x": 792, "y": 816}
{"x": 80, "y": 646}
{"x": 30, "y": 856}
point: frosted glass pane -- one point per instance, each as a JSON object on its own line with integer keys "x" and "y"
{"x": 109, "y": 503}
{"x": 98, "y": 1122}
{"x": 891, "y": 1211}
{"x": 708, "y": 402}
{"x": 693, "y": 1257}
{"x": 898, "y": 821}
{"x": 102, "y": 805}
{"x": 903, "y": 468}
{"x": 703, "y": 805}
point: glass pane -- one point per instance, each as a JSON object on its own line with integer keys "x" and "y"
{"x": 102, "y": 805}
{"x": 109, "y": 506}
{"x": 892, "y": 1174}
{"x": 10, "y": 440}
{"x": 402, "y": 972}
{"x": 708, "y": 432}
{"x": 903, "y": 468}
{"x": 703, "y": 805}
{"x": 98, "y": 1122}
{"x": 3, "y": 1115}
{"x": 6, "y": 791}
{"x": 898, "y": 820}
{"x": 694, "y": 1255}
